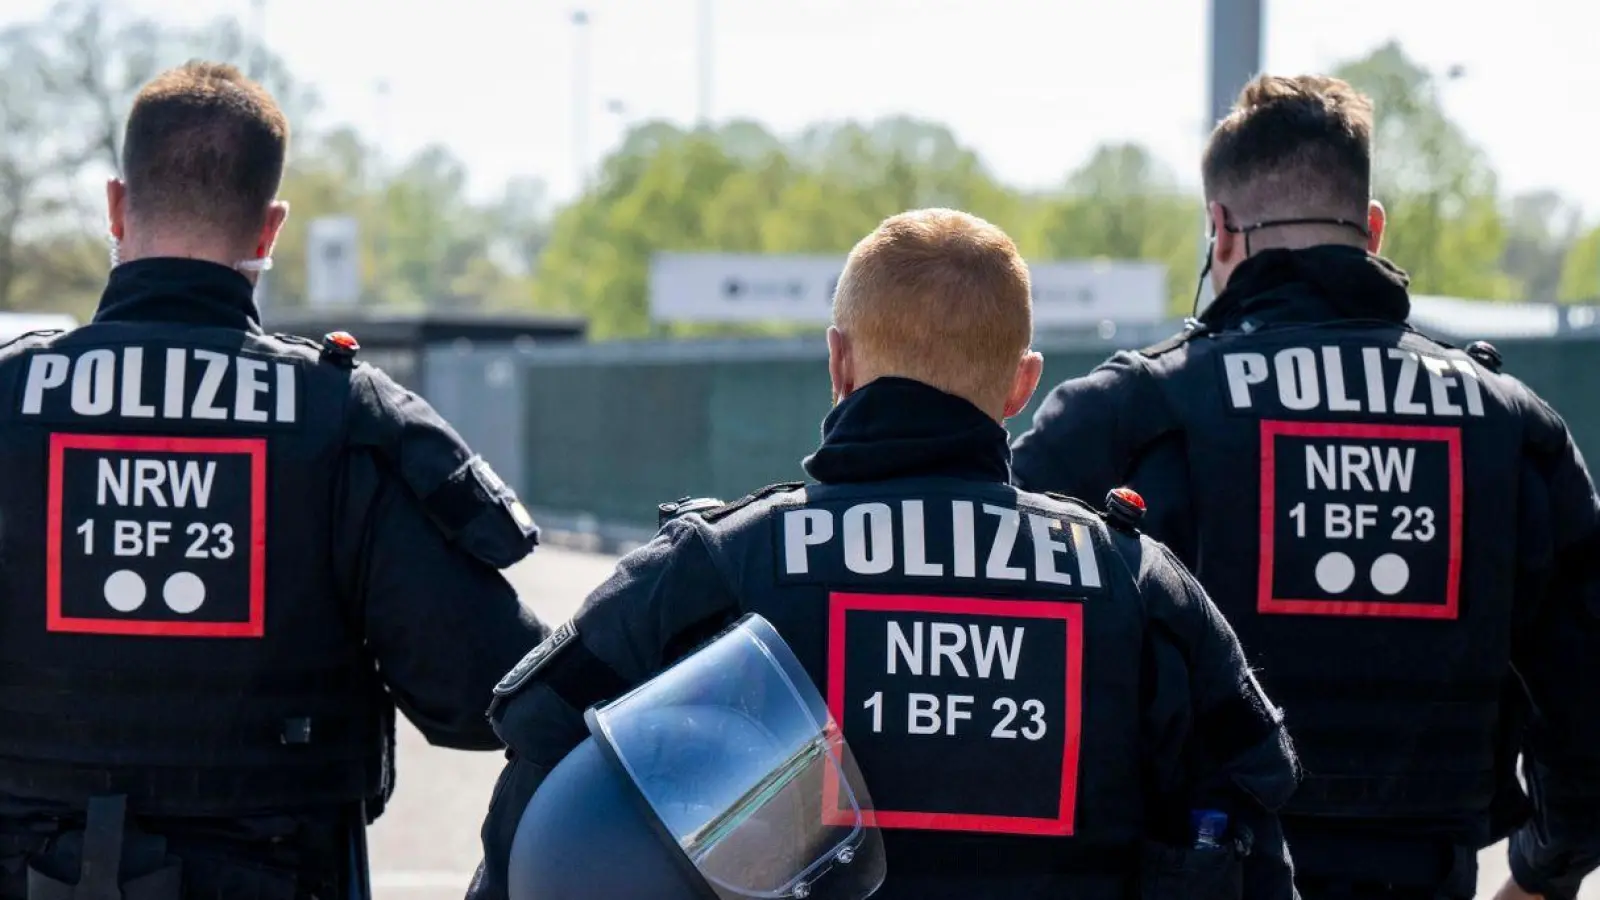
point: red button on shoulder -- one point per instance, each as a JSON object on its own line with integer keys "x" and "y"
{"x": 1130, "y": 497}
{"x": 344, "y": 339}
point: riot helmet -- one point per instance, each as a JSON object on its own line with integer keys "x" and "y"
{"x": 723, "y": 778}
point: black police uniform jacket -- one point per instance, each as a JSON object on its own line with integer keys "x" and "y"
{"x": 226, "y": 556}
{"x": 1402, "y": 536}
{"x": 1027, "y": 697}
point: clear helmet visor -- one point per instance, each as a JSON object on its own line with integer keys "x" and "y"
{"x": 734, "y": 750}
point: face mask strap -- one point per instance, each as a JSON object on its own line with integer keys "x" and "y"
{"x": 244, "y": 265}
{"x": 1246, "y": 230}
{"x": 1275, "y": 223}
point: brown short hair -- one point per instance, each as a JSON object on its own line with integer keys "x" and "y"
{"x": 942, "y": 297}
{"x": 206, "y": 146}
{"x": 1293, "y": 146}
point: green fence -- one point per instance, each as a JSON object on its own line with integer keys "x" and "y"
{"x": 610, "y": 430}
{"x": 1566, "y": 373}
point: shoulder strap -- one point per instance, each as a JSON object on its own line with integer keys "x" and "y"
{"x": 1126, "y": 541}
{"x": 1192, "y": 330}
{"x": 43, "y": 332}
{"x": 336, "y": 347}
{"x": 1482, "y": 352}
{"x": 728, "y": 509}
{"x": 1486, "y": 355}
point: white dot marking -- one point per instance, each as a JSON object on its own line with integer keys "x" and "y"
{"x": 1390, "y": 574}
{"x": 124, "y": 590}
{"x": 184, "y": 592}
{"x": 1335, "y": 573}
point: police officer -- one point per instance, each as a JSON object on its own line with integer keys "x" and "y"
{"x": 1040, "y": 704}
{"x": 1403, "y": 535}
{"x": 229, "y": 555}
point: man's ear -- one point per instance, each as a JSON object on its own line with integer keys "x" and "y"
{"x": 840, "y": 370}
{"x": 1029, "y": 371}
{"x": 1225, "y": 244}
{"x": 116, "y": 207}
{"x": 277, "y": 214}
{"x": 1377, "y": 219}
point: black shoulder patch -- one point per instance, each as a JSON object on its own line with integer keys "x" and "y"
{"x": 536, "y": 659}
{"x": 728, "y": 509}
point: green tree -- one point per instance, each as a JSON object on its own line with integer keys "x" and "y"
{"x": 739, "y": 189}
{"x": 652, "y": 195}
{"x": 423, "y": 241}
{"x": 65, "y": 89}
{"x": 68, "y": 79}
{"x": 1580, "y": 271}
{"x": 1541, "y": 228}
{"x": 66, "y": 82}
{"x": 1445, "y": 226}
{"x": 1123, "y": 204}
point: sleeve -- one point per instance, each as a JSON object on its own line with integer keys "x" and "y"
{"x": 1215, "y": 741}
{"x": 664, "y": 600}
{"x": 442, "y": 624}
{"x": 459, "y": 492}
{"x": 1558, "y": 657}
{"x": 1088, "y": 431}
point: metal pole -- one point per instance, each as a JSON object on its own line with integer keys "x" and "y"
{"x": 580, "y": 97}
{"x": 1234, "y": 42}
{"x": 703, "y": 114}
{"x": 1235, "y": 53}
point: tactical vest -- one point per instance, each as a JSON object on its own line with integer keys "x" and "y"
{"x": 981, "y": 648}
{"x": 170, "y": 626}
{"x": 1354, "y": 491}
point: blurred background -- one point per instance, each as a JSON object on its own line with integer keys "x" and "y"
{"x": 601, "y": 235}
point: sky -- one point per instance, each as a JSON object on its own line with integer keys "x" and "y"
{"x": 1032, "y": 85}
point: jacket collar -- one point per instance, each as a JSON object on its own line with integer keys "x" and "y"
{"x": 1318, "y": 283}
{"x": 900, "y": 428}
{"x": 169, "y": 289}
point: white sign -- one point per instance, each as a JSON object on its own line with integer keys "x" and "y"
{"x": 726, "y": 287}
{"x": 333, "y": 262}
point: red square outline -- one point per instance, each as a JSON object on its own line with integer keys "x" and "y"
{"x": 840, "y": 603}
{"x": 1267, "y": 603}
{"x": 255, "y": 448}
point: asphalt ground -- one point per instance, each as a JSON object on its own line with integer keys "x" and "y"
{"x": 426, "y": 845}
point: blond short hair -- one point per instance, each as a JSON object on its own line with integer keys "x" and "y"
{"x": 942, "y": 297}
